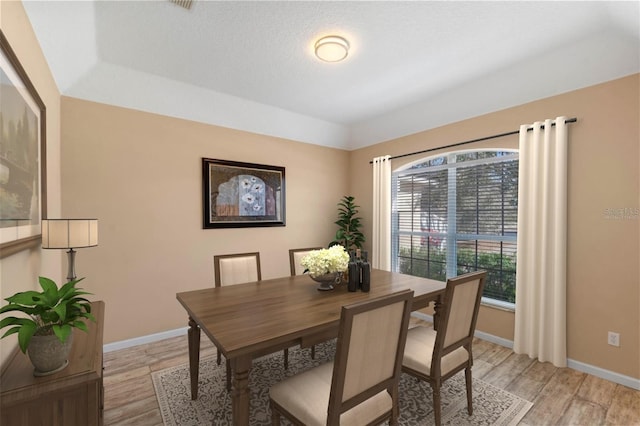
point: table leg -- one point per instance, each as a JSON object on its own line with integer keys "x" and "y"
{"x": 436, "y": 312}
{"x": 194, "y": 356}
{"x": 240, "y": 394}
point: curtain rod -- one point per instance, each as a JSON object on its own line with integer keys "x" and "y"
{"x": 515, "y": 132}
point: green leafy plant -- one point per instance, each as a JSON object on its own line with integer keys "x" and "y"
{"x": 501, "y": 269}
{"x": 348, "y": 234}
{"x": 52, "y": 311}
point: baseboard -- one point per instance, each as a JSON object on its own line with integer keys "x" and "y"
{"x": 575, "y": 365}
{"x": 611, "y": 376}
{"x": 150, "y": 338}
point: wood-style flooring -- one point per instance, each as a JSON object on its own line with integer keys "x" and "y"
{"x": 560, "y": 396}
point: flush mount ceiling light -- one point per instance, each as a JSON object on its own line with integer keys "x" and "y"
{"x": 332, "y": 48}
{"x": 183, "y": 3}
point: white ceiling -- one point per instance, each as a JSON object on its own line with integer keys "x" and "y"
{"x": 412, "y": 65}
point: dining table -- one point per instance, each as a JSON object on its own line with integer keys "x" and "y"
{"x": 246, "y": 321}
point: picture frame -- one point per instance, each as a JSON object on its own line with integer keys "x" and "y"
{"x": 23, "y": 189}
{"x": 240, "y": 195}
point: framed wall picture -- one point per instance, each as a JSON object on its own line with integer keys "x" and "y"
{"x": 238, "y": 195}
{"x": 22, "y": 156}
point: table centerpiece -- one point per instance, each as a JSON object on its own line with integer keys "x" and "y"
{"x": 326, "y": 266}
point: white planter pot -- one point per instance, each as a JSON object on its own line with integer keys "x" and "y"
{"x": 48, "y": 354}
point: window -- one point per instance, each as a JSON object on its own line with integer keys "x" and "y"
{"x": 458, "y": 213}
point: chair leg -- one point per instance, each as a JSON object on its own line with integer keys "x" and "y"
{"x": 395, "y": 409}
{"x": 437, "y": 410}
{"x": 228, "y": 376}
{"x": 313, "y": 352}
{"x": 275, "y": 416}
{"x": 467, "y": 376}
{"x": 286, "y": 359}
{"x": 219, "y": 357}
{"x": 393, "y": 421}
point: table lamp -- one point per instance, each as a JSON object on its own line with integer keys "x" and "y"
{"x": 69, "y": 234}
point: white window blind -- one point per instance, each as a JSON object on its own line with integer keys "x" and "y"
{"x": 457, "y": 213}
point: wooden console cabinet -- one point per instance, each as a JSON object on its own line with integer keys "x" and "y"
{"x": 73, "y": 396}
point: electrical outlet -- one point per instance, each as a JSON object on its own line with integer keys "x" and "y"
{"x": 613, "y": 339}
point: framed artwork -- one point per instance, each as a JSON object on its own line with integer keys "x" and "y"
{"x": 239, "y": 195}
{"x": 22, "y": 156}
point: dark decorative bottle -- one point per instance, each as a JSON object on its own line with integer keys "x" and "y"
{"x": 354, "y": 273}
{"x": 359, "y": 266}
{"x": 365, "y": 268}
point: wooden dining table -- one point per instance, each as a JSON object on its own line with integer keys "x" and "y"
{"x": 246, "y": 321}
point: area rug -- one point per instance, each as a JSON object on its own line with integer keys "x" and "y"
{"x": 491, "y": 405}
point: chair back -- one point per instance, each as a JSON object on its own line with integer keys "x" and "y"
{"x": 295, "y": 257}
{"x": 237, "y": 268}
{"x": 368, "y": 360}
{"x": 458, "y": 315}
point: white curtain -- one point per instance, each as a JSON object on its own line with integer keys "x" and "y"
{"x": 381, "y": 236}
{"x": 540, "y": 323}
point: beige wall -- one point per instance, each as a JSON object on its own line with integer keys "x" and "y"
{"x": 140, "y": 174}
{"x": 19, "y": 272}
{"x": 603, "y": 277}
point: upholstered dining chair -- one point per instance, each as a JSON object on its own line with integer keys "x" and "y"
{"x": 295, "y": 257}
{"x": 230, "y": 269}
{"x": 360, "y": 387}
{"x": 435, "y": 356}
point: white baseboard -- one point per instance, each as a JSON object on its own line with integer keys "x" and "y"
{"x": 123, "y": 344}
{"x": 611, "y": 376}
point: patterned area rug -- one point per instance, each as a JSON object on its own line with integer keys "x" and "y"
{"x": 491, "y": 406}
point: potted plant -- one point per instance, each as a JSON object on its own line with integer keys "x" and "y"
{"x": 46, "y": 333}
{"x": 348, "y": 234}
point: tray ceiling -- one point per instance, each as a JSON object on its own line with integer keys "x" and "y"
{"x": 412, "y": 65}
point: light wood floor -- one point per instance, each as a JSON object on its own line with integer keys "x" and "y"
{"x": 560, "y": 396}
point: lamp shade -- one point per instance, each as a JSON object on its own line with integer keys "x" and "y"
{"x": 69, "y": 233}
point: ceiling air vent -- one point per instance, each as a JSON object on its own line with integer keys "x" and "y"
{"x": 183, "y": 3}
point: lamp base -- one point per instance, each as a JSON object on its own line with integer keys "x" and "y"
{"x": 71, "y": 273}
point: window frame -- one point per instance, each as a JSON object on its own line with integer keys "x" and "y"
{"x": 451, "y": 236}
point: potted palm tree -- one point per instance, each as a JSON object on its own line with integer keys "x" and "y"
{"x": 348, "y": 234}
{"x": 46, "y": 333}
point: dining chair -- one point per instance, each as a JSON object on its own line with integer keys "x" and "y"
{"x": 435, "y": 356}
{"x": 295, "y": 257}
{"x": 230, "y": 269}
{"x": 360, "y": 387}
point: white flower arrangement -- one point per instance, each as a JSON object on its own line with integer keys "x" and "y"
{"x": 324, "y": 261}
